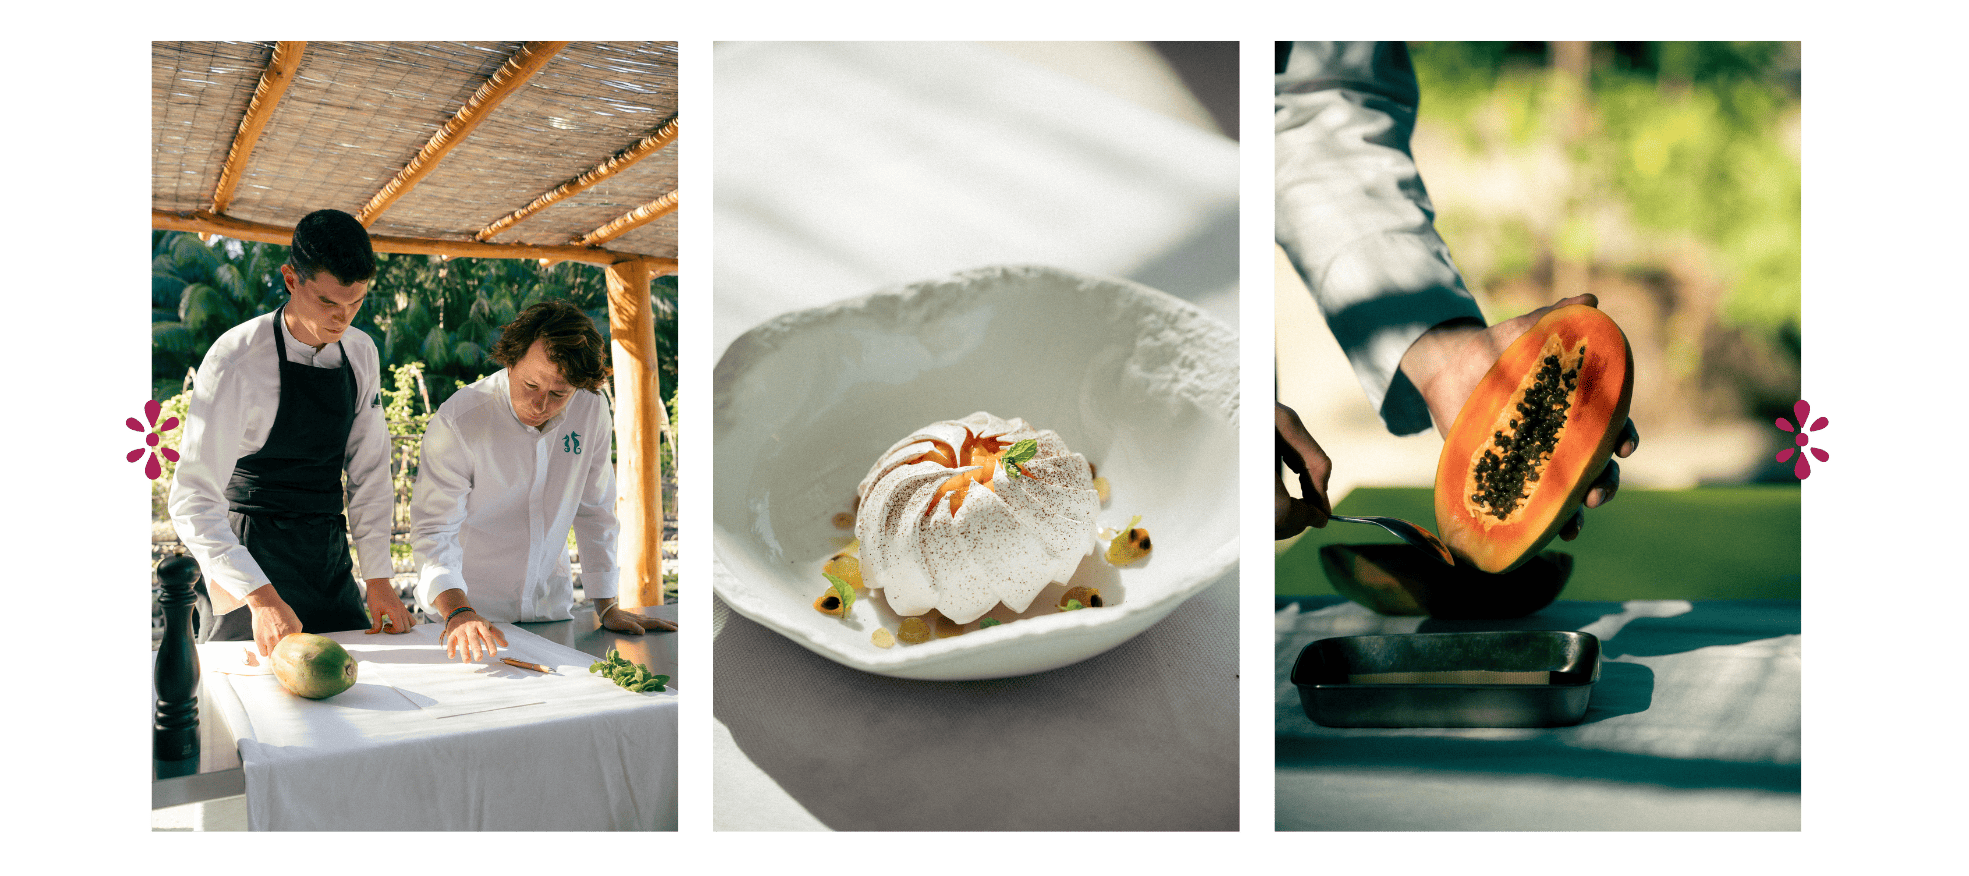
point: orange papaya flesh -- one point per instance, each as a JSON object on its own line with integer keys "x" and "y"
{"x": 1532, "y": 437}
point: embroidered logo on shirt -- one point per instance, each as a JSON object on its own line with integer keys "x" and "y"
{"x": 571, "y": 443}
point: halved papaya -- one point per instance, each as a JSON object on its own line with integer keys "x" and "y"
{"x": 1531, "y": 439}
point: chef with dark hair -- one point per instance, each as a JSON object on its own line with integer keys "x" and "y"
{"x": 282, "y": 406}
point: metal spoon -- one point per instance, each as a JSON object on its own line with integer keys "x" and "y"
{"x": 1407, "y": 532}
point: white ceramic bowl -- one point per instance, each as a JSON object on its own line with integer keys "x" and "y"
{"x": 1141, "y": 383}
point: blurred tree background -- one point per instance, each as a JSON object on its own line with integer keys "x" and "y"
{"x": 443, "y": 314}
{"x": 1663, "y": 177}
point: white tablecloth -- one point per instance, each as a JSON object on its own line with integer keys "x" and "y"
{"x": 425, "y": 743}
{"x": 1694, "y": 725}
{"x": 844, "y": 168}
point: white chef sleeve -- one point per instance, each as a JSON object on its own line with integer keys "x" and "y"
{"x": 370, "y": 495}
{"x": 437, "y": 510}
{"x": 208, "y": 449}
{"x": 596, "y": 530}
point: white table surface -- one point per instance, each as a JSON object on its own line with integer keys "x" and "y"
{"x": 422, "y": 742}
{"x": 1694, "y": 725}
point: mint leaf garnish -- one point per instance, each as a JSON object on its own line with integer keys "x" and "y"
{"x": 1021, "y": 452}
{"x": 842, "y": 589}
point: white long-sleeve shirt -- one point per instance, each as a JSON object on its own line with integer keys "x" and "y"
{"x": 495, "y": 499}
{"x": 233, "y": 403}
{"x": 1352, "y": 214}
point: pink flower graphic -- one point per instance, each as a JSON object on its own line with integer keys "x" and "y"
{"x": 153, "y": 468}
{"x": 1804, "y": 468}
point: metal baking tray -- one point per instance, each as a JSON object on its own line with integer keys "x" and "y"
{"x": 1517, "y": 678}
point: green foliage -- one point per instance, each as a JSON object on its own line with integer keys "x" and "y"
{"x": 1692, "y": 139}
{"x": 443, "y": 313}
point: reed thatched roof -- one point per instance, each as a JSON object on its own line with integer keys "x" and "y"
{"x": 550, "y": 150}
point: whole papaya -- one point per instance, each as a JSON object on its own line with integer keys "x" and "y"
{"x": 312, "y": 666}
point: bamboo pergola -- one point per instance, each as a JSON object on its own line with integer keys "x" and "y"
{"x": 559, "y": 151}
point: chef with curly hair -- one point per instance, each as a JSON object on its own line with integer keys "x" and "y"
{"x": 509, "y": 465}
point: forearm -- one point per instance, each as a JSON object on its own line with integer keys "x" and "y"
{"x": 371, "y": 495}
{"x": 264, "y": 598}
{"x": 437, "y": 513}
{"x": 450, "y": 601}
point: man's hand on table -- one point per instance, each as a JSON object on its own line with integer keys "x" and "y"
{"x": 273, "y": 619}
{"x": 472, "y": 637}
{"x": 385, "y": 608}
{"x": 622, "y": 620}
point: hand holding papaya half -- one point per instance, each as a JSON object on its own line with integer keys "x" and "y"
{"x": 1530, "y": 412}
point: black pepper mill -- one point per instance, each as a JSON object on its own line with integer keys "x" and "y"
{"x": 175, "y": 731}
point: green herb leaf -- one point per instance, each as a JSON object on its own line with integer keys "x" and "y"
{"x": 1073, "y": 605}
{"x": 1021, "y": 452}
{"x": 988, "y": 622}
{"x": 842, "y": 589}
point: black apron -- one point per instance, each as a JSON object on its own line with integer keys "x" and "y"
{"x": 286, "y": 500}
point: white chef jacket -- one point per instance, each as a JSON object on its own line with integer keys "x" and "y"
{"x": 234, "y": 400}
{"x": 495, "y": 499}
{"x": 1352, "y": 215}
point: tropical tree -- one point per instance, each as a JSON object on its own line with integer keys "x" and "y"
{"x": 197, "y": 291}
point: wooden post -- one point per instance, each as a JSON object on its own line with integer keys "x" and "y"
{"x": 639, "y": 421}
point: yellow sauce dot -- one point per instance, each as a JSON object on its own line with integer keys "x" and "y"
{"x": 913, "y": 631}
{"x": 846, "y": 568}
{"x": 1101, "y": 487}
{"x": 882, "y": 638}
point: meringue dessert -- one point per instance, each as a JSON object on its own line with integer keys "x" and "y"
{"x": 948, "y": 522}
